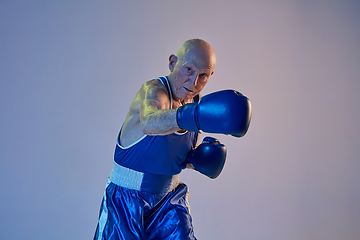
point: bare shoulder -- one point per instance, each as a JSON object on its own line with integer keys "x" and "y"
{"x": 154, "y": 83}
{"x": 154, "y": 94}
{"x": 153, "y": 89}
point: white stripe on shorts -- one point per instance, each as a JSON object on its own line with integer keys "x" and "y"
{"x": 104, "y": 214}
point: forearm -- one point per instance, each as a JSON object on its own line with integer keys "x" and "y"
{"x": 160, "y": 122}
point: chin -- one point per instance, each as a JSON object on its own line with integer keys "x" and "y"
{"x": 189, "y": 97}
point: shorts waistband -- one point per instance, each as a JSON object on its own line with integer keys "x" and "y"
{"x": 147, "y": 182}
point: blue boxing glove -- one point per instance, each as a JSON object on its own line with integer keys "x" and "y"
{"x": 227, "y": 112}
{"x": 208, "y": 158}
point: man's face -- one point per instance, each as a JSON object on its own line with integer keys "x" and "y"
{"x": 191, "y": 73}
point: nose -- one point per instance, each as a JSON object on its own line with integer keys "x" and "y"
{"x": 194, "y": 79}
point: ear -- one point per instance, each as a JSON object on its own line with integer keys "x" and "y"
{"x": 172, "y": 62}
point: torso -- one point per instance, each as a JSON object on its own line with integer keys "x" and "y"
{"x": 131, "y": 129}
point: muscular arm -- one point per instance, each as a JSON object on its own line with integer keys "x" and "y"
{"x": 156, "y": 115}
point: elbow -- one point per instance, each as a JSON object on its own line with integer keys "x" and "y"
{"x": 145, "y": 126}
{"x": 145, "y": 130}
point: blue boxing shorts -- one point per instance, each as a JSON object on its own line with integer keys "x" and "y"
{"x": 139, "y": 205}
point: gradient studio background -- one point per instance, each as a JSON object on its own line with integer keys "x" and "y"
{"x": 70, "y": 69}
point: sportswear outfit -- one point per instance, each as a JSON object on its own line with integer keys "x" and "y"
{"x": 143, "y": 198}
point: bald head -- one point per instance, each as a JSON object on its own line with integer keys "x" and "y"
{"x": 199, "y": 49}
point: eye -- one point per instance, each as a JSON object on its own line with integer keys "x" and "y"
{"x": 203, "y": 75}
{"x": 188, "y": 69}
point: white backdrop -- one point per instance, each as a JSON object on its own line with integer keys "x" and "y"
{"x": 70, "y": 69}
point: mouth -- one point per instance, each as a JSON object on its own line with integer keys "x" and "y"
{"x": 188, "y": 90}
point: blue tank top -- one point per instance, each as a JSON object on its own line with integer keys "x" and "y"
{"x": 162, "y": 155}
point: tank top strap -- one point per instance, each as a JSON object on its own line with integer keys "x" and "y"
{"x": 165, "y": 82}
